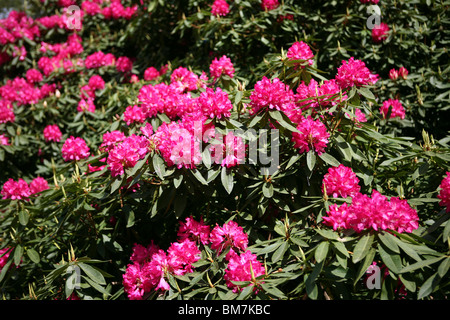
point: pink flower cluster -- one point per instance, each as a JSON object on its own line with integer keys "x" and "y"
{"x": 6, "y": 111}
{"x": 22, "y": 91}
{"x": 380, "y": 32}
{"x": 375, "y": 212}
{"x": 151, "y": 265}
{"x": 354, "y": 73}
{"x": 220, "y": 8}
{"x": 444, "y": 192}
{"x": 4, "y": 140}
{"x": 21, "y": 190}
{"x": 300, "y": 51}
{"x": 99, "y": 59}
{"x": 220, "y": 67}
{"x": 52, "y": 133}
{"x": 75, "y": 149}
{"x": 271, "y": 94}
{"x": 340, "y": 181}
{"x": 401, "y": 72}
{"x": 269, "y": 4}
{"x": 125, "y": 154}
{"x": 313, "y": 135}
{"x": 397, "y": 109}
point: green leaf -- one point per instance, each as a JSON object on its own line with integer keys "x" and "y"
{"x": 321, "y": 251}
{"x": 92, "y": 273}
{"x": 362, "y": 247}
{"x": 33, "y": 255}
{"x": 18, "y": 253}
{"x": 429, "y": 286}
{"x": 388, "y": 241}
{"x": 421, "y": 264}
{"x": 279, "y": 253}
{"x": 310, "y": 160}
{"x": 329, "y": 159}
{"x": 390, "y": 258}
{"x": 366, "y": 93}
{"x": 24, "y": 216}
{"x": 96, "y": 286}
{"x": 267, "y": 190}
{"x": 227, "y": 179}
{"x": 366, "y": 263}
{"x": 159, "y": 165}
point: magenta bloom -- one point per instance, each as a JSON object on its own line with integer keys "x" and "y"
{"x": 215, "y": 104}
{"x": 194, "y": 230}
{"x": 6, "y": 112}
{"x": 271, "y": 94}
{"x": 380, "y": 32}
{"x": 340, "y": 181}
{"x": 444, "y": 192}
{"x": 86, "y": 105}
{"x": 313, "y": 135}
{"x": 75, "y": 149}
{"x": 375, "y": 212}
{"x": 393, "y": 74}
{"x": 96, "y": 82}
{"x": 397, "y": 109}
{"x": 151, "y": 73}
{"x": 354, "y": 73}
{"x": 134, "y": 114}
{"x": 34, "y": 75}
{"x": 124, "y": 64}
{"x": 111, "y": 139}
{"x": 229, "y": 235}
{"x": 269, "y": 4}
{"x": 301, "y": 51}
{"x": 15, "y": 190}
{"x": 220, "y": 8}
{"x": 240, "y": 268}
{"x": 52, "y": 133}
{"x": 222, "y": 66}
{"x": 38, "y": 184}
{"x": 126, "y": 154}
{"x": 4, "y": 140}
{"x": 403, "y": 72}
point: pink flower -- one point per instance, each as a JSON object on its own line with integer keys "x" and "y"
{"x": 4, "y": 255}
{"x": 444, "y": 192}
{"x": 375, "y": 212}
{"x": 194, "y": 230}
{"x": 403, "y": 72}
{"x": 313, "y": 135}
{"x": 269, "y": 4}
{"x": 240, "y": 268}
{"x": 184, "y": 80}
{"x": 33, "y": 76}
{"x": 354, "y": 73}
{"x": 6, "y": 112}
{"x": 75, "y": 149}
{"x": 229, "y": 235}
{"x": 38, "y": 184}
{"x": 301, "y": 51}
{"x": 86, "y": 105}
{"x": 99, "y": 59}
{"x": 111, "y": 139}
{"x": 136, "y": 281}
{"x": 151, "y": 73}
{"x": 126, "y": 154}
{"x": 141, "y": 254}
{"x": 397, "y": 109}
{"x": 220, "y": 67}
{"x": 124, "y": 64}
{"x": 96, "y": 82}
{"x": 393, "y": 74}
{"x": 340, "y": 181}
{"x": 215, "y": 104}
{"x": 4, "y": 141}
{"x": 231, "y": 152}
{"x": 271, "y": 94}
{"x": 52, "y": 133}
{"x": 182, "y": 255}
{"x": 220, "y": 8}
{"x": 134, "y": 114}
{"x": 380, "y": 32}
{"x": 15, "y": 190}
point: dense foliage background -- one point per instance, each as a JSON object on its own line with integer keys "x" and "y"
{"x": 90, "y": 233}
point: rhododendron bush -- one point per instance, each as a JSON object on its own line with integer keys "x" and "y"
{"x": 219, "y": 150}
